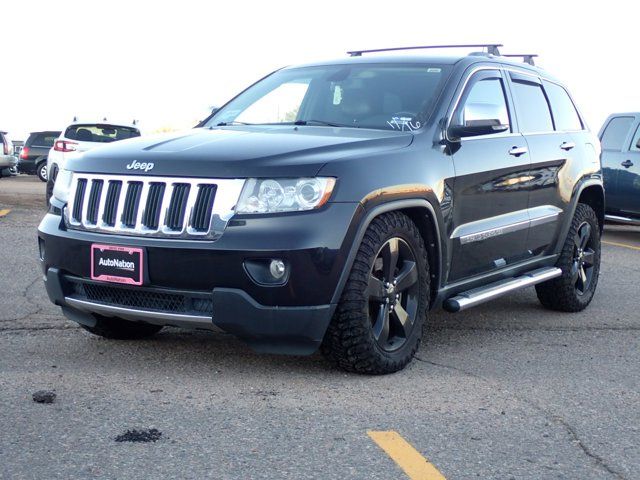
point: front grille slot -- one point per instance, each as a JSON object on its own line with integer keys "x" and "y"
{"x": 131, "y": 204}
{"x": 111, "y": 203}
{"x": 94, "y": 201}
{"x": 152, "y": 206}
{"x": 79, "y": 199}
{"x": 177, "y": 206}
{"x": 201, "y": 216}
{"x": 151, "y": 216}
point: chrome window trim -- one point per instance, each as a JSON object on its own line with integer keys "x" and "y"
{"x": 505, "y": 223}
{"x": 227, "y": 194}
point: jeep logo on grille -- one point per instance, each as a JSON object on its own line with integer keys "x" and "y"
{"x": 136, "y": 165}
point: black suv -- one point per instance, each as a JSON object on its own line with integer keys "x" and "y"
{"x": 333, "y": 205}
{"x": 620, "y": 137}
{"x": 33, "y": 157}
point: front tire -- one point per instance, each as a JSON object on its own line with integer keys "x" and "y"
{"x": 119, "y": 329}
{"x": 377, "y": 327}
{"x": 580, "y": 265}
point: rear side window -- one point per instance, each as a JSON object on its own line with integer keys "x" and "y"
{"x": 532, "y": 108}
{"x": 100, "y": 133}
{"x": 43, "y": 139}
{"x": 564, "y": 111}
{"x": 616, "y": 133}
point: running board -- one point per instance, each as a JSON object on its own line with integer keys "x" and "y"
{"x": 479, "y": 295}
{"x": 625, "y": 220}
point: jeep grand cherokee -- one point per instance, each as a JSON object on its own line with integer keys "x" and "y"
{"x": 332, "y": 205}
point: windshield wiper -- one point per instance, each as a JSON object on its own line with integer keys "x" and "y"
{"x": 233, "y": 122}
{"x": 323, "y": 123}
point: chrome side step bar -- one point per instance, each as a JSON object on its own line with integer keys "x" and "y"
{"x": 480, "y": 295}
{"x": 625, "y": 220}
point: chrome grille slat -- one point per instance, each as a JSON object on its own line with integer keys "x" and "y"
{"x": 151, "y": 206}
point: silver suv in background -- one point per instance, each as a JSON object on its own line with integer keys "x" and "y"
{"x": 7, "y": 159}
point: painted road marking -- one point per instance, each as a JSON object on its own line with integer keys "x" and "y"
{"x": 408, "y": 458}
{"x": 615, "y": 244}
{"x": 5, "y": 212}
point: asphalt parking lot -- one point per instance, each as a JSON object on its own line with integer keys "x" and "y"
{"x": 505, "y": 390}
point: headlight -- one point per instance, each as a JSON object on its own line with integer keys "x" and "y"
{"x": 284, "y": 194}
{"x": 63, "y": 185}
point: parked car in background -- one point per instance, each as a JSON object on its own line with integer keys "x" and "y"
{"x": 33, "y": 156}
{"x": 620, "y": 139}
{"x": 7, "y": 159}
{"x": 80, "y": 137}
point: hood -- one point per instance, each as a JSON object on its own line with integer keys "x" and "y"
{"x": 237, "y": 152}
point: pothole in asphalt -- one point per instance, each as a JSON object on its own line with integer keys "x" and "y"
{"x": 143, "y": 436}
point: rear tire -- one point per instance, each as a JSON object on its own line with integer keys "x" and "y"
{"x": 580, "y": 265}
{"x": 119, "y": 329}
{"x": 377, "y": 327}
{"x": 41, "y": 171}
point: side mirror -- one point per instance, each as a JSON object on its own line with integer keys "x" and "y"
{"x": 479, "y": 119}
{"x": 638, "y": 144}
{"x": 214, "y": 110}
{"x": 476, "y": 128}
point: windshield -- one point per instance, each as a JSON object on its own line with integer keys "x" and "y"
{"x": 101, "y": 133}
{"x": 390, "y": 97}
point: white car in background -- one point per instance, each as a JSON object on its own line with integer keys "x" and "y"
{"x": 80, "y": 137}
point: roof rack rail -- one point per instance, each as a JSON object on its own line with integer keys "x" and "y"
{"x": 526, "y": 57}
{"x": 492, "y": 48}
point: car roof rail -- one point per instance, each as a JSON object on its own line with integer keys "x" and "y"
{"x": 526, "y": 57}
{"x": 492, "y": 48}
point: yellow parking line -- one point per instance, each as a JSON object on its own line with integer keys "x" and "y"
{"x": 5, "y": 212}
{"x": 408, "y": 458}
{"x": 615, "y": 244}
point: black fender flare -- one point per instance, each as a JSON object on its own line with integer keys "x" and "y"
{"x": 374, "y": 212}
{"x": 584, "y": 183}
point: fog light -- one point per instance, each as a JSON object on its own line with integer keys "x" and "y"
{"x": 277, "y": 269}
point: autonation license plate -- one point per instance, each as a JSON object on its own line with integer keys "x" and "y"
{"x": 113, "y": 263}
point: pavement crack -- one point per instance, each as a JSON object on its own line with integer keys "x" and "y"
{"x": 558, "y": 420}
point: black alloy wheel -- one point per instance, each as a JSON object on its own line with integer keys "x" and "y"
{"x": 583, "y": 259}
{"x": 393, "y": 294}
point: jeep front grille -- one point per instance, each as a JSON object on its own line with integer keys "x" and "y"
{"x": 152, "y": 206}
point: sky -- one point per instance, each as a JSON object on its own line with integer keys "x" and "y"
{"x": 165, "y": 63}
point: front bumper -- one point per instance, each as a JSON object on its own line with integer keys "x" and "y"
{"x": 209, "y": 279}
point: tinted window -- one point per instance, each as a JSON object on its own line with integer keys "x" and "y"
{"x": 43, "y": 139}
{"x": 564, "y": 111}
{"x": 389, "y": 97}
{"x": 635, "y": 144}
{"x": 531, "y": 107}
{"x": 100, "y": 133}
{"x": 616, "y": 133}
{"x": 484, "y": 100}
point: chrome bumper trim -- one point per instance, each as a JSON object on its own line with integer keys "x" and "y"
{"x": 149, "y": 316}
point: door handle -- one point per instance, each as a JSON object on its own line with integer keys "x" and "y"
{"x": 567, "y": 146}
{"x": 517, "y": 151}
{"x": 627, "y": 164}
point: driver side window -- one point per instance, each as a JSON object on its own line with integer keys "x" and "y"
{"x": 484, "y": 103}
